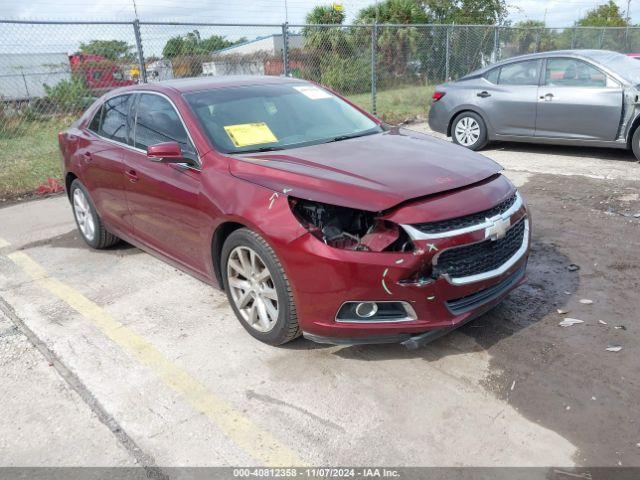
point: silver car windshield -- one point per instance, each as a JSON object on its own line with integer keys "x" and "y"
{"x": 627, "y": 67}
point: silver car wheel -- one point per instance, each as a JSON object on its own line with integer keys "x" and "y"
{"x": 252, "y": 289}
{"x": 82, "y": 211}
{"x": 467, "y": 131}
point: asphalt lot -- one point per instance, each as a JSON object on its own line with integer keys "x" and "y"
{"x": 121, "y": 359}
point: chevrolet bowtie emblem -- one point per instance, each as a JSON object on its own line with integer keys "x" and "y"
{"x": 497, "y": 228}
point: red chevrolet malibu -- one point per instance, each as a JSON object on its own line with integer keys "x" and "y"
{"x": 314, "y": 217}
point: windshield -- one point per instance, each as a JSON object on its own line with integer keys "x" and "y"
{"x": 627, "y": 67}
{"x": 276, "y": 117}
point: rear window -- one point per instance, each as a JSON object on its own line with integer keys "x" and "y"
{"x": 114, "y": 118}
{"x": 492, "y": 75}
{"x": 94, "y": 126}
{"x": 519, "y": 73}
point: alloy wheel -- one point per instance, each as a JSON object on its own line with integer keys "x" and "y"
{"x": 252, "y": 289}
{"x": 82, "y": 211}
{"x": 467, "y": 131}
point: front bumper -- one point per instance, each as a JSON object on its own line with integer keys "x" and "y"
{"x": 413, "y": 341}
{"x": 323, "y": 278}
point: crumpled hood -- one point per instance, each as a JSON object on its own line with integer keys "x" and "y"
{"x": 374, "y": 173}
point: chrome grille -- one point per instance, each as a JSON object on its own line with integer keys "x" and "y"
{"x": 480, "y": 257}
{"x": 466, "y": 221}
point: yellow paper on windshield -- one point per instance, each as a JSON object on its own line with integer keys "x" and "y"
{"x": 250, "y": 134}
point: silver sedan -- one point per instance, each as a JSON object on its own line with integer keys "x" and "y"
{"x": 571, "y": 97}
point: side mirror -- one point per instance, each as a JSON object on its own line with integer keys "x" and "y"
{"x": 169, "y": 152}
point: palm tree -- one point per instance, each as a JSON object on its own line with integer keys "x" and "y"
{"x": 396, "y": 45}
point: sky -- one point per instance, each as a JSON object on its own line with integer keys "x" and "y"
{"x": 558, "y": 13}
{"x": 21, "y": 39}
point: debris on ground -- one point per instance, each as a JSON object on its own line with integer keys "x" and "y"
{"x": 636, "y": 215}
{"x": 513, "y": 385}
{"x": 52, "y": 185}
{"x": 614, "y": 348}
{"x": 620, "y": 327}
{"x": 567, "y": 322}
{"x": 586, "y": 301}
{"x": 567, "y": 292}
{"x": 593, "y": 398}
{"x": 629, "y": 197}
{"x": 562, "y": 311}
{"x": 568, "y": 407}
{"x": 572, "y": 267}
{"x": 602, "y": 322}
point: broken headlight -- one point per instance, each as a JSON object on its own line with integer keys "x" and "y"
{"x": 349, "y": 228}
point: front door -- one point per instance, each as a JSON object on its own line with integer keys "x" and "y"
{"x": 578, "y": 101}
{"x": 164, "y": 199}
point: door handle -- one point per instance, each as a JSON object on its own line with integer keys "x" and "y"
{"x": 484, "y": 94}
{"x": 86, "y": 156}
{"x": 547, "y": 97}
{"x": 131, "y": 175}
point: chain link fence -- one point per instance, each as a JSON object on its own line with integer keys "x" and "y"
{"x": 51, "y": 71}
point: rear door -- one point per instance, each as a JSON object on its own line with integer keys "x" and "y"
{"x": 102, "y": 160}
{"x": 510, "y": 98}
{"x": 164, "y": 198}
{"x": 577, "y": 100}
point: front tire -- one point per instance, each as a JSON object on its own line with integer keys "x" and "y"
{"x": 258, "y": 289}
{"x": 87, "y": 219}
{"x": 469, "y": 130}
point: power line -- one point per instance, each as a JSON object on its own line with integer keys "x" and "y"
{"x": 135, "y": 9}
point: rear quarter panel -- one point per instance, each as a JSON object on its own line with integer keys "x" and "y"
{"x": 461, "y": 96}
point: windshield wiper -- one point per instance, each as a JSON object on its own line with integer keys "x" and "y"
{"x": 262, "y": 149}
{"x": 339, "y": 138}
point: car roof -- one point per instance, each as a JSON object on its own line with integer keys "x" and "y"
{"x": 595, "y": 55}
{"x": 197, "y": 84}
{"x": 613, "y": 63}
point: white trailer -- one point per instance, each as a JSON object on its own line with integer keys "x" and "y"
{"x": 221, "y": 67}
{"x": 159, "y": 70}
{"x": 23, "y": 75}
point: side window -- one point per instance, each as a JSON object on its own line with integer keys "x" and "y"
{"x": 569, "y": 72}
{"x": 520, "y": 73}
{"x": 492, "y": 75}
{"x": 114, "y": 118}
{"x": 94, "y": 126}
{"x": 157, "y": 122}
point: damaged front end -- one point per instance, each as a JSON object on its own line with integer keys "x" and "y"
{"x": 350, "y": 229}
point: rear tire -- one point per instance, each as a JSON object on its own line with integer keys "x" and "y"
{"x": 635, "y": 143}
{"x": 469, "y": 131}
{"x": 87, "y": 219}
{"x": 258, "y": 289}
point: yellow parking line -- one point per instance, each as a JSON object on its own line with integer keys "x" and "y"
{"x": 258, "y": 443}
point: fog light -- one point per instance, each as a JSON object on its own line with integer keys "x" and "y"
{"x": 366, "y": 309}
{"x": 375, "y": 312}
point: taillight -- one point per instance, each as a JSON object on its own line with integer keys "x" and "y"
{"x": 437, "y": 96}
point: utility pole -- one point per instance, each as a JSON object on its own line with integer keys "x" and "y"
{"x": 135, "y": 9}
{"x": 627, "y": 46}
{"x": 286, "y": 12}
